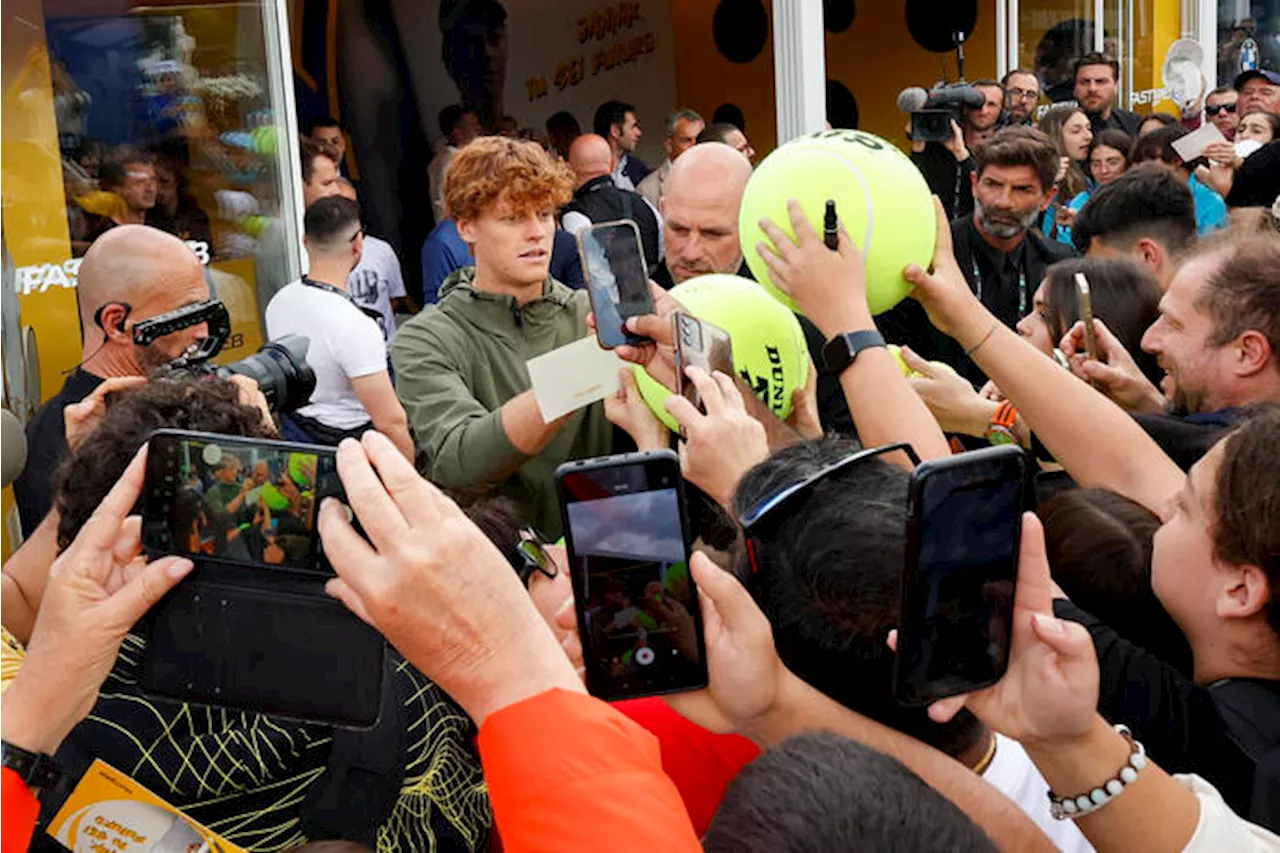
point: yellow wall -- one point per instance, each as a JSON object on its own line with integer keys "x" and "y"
{"x": 875, "y": 58}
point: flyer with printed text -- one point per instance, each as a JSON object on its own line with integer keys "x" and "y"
{"x": 109, "y": 812}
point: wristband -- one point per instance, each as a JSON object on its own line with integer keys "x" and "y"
{"x": 1000, "y": 429}
{"x": 36, "y": 769}
{"x": 1086, "y": 804}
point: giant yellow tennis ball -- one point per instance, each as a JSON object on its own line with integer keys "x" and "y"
{"x": 769, "y": 349}
{"x": 881, "y": 198}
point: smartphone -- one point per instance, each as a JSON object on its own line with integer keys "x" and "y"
{"x": 963, "y": 530}
{"x": 627, "y": 535}
{"x": 1086, "y": 316}
{"x": 617, "y": 279}
{"x": 702, "y": 344}
{"x": 238, "y": 501}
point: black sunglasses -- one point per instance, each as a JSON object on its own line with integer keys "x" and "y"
{"x": 768, "y": 512}
{"x": 1214, "y": 110}
{"x": 529, "y": 555}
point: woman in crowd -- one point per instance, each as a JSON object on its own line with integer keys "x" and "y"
{"x": 1125, "y": 298}
{"x": 1260, "y": 126}
{"x": 1108, "y": 159}
{"x": 1155, "y": 121}
{"x": 1069, "y": 129}
{"x": 1256, "y": 129}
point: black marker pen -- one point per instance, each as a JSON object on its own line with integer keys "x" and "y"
{"x": 830, "y": 227}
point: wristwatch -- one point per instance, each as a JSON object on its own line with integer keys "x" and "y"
{"x": 839, "y": 352}
{"x": 1000, "y": 429}
{"x": 36, "y": 769}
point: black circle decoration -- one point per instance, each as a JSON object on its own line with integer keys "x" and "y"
{"x": 730, "y": 114}
{"x": 838, "y": 15}
{"x": 740, "y": 29}
{"x": 933, "y": 25}
{"x": 842, "y": 106}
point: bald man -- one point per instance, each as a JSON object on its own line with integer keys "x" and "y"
{"x": 130, "y": 274}
{"x": 700, "y": 204}
{"x": 597, "y": 198}
{"x": 700, "y": 214}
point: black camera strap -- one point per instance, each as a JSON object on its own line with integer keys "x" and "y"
{"x": 371, "y": 313}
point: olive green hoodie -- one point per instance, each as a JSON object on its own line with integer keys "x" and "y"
{"x": 456, "y": 364}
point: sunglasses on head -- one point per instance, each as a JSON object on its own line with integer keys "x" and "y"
{"x": 1214, "y": 110}
{"x": 771, "y": 511}
{"x": 529, "y": 555}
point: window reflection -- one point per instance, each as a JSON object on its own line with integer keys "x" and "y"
{"x": 163, "y": 119}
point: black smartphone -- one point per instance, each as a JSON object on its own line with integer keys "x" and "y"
{"x": 617, "y": 279}
{"x": 241, "y": 501}
{"x": 251, "y": 627}
{"x": 964, "y": 523}
{"x": 703, "y": 344}
{"x": 627, "y": 534}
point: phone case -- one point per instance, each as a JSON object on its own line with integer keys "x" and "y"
{"x": 712, "y": 351}
{"x": 909, "y": 627}
{"x": 670, "y": 464}
{"x": 607, "y": 315}
{"x": 274, "y": 651}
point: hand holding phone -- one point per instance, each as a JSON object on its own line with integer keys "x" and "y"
{"x": 963, "y": 530}
{"x": 1086, "y": 316}
{"x": 626, "y": 531}
{"x": 617, "y": 278}
{"x": 699, "y": 344}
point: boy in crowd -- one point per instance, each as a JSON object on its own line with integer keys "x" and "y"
{"x": 460, "y": 364}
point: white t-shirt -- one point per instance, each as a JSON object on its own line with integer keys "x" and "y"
{"x": 377, "y": 280}
{"x": 1012, "y": 774}
{"x": 346, "y": 344}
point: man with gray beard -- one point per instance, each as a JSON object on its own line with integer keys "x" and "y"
{"x": 1001, "y": 251}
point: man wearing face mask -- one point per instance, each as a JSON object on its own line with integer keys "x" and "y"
{"x": 130, "y": 274}
{"x": 998, "y": 247}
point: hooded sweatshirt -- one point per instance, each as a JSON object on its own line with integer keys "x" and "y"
{"x": 459, "y": 361}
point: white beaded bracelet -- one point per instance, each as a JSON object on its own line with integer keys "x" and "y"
{"x": 1077, "y": 807}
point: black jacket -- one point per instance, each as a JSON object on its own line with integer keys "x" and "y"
{"x": 46, "y": 448}
{"x": 601, "y": 201}
{"x": 1001, "y": 292}
{"x": 947, "y": 179}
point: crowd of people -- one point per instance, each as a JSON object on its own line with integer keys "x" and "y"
{"x": 1140, "y": 708}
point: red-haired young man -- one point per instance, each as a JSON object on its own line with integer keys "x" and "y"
{"x": 460, "y": 364}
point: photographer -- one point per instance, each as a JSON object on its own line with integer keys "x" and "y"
{"x": 256, "y": 776}
{"x": 946, "y": 166}
{"x": 130, "y": 274}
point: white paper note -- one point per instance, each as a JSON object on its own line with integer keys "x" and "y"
{"x": 575, "y": 375}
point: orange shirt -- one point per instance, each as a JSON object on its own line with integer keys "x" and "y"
{"x": 566, "y": 772}
{"x": 21, "y": 808}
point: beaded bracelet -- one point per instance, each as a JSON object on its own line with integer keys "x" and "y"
{"x": 1084, "y": 804}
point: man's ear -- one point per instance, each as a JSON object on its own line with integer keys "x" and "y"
{"x": 466, "y": 230}
{"x": 113, "y": 318}
{"x": 1048, "y": 200}
{"x": 973, "y": 181}
{"x": 1150, "y": 253}
{"x": 1253, "y": 353}
{"x": 1245, "y": 592}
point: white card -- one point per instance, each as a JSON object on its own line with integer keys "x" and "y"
{"x": 1193, "y": 144}
{"x": 575, "y": 375}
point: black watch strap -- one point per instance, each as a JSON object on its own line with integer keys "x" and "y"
{"x": 36, "y": 769}
{"x": 839, "y": 352}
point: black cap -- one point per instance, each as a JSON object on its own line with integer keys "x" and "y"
{"x": 1243, "y": 77}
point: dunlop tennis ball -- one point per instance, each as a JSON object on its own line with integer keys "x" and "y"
{"x": 881, "y": 198}
{"x": 769, "y": 350}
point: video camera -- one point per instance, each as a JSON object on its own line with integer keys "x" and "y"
{"x": 933, "y": 111}
{"x": 280, "y": 368}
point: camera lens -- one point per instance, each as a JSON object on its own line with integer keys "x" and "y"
{"x": 280, "y": 368}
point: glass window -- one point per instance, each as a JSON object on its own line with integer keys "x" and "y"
{"x": 163, "y": 114}
{"x": 1248, "y": 37}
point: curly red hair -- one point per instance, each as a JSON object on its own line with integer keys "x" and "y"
{"x": 495, "y": 169}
